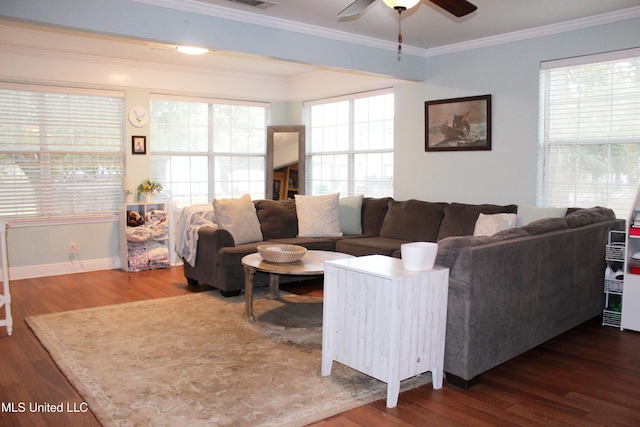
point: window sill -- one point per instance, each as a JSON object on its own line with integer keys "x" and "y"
{"x": 71, "y": 220}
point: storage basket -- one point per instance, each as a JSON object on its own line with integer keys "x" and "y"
{"x": 281, "y": 253}
{"x": 615, "y": 252}
{"x": 613, "y": 286}
{"x": 611, "y": 318}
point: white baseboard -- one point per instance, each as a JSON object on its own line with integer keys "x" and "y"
{"x": 18, "y": 273}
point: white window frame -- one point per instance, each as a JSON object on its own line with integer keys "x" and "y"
{"x": 216, "y": 186}
{"x": 72, "y": 139}
{"x": 315, "y": 181}
{"x": 567, "y": 125}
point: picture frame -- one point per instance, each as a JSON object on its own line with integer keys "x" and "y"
{"x": 458, "y": 124}
{"x": 138, "y": 144}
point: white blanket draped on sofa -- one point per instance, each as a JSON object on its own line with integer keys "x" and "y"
{"x": 191, "y": 219}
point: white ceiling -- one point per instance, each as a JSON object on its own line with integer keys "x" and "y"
{"x": 426, "y": 25}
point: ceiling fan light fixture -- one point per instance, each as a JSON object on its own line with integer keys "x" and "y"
{"x": 401, "y": 4}
{"x": 192, "y": 50}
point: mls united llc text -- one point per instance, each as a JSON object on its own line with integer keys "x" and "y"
{"x": 21, "y": 407}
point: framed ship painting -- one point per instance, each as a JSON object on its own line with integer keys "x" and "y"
{"x": 458, "y": 124}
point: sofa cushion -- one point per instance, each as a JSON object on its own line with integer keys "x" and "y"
{"x": 413, "y": 220}
{"x": 311, "y": 243}
{"x": 528, "y": 214}
{"x": 238, "y": 217}
{"x": 232, "y": 255}
{"x": 373, "y": 213}
{"x": 361, "y": 246}
{"x": 510, "y": 233}
{"x": 278, "y": 219}
{"x": 583, "y": 217}
{"x": 488, "y": 225}
{"x": 546, "y": 225}
{"x": 350, "y": 209}
{"x": 460, "y": 218}
{"x": 318, "y": 216}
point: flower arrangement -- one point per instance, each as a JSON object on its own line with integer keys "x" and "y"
{"x": 148, "y": 187}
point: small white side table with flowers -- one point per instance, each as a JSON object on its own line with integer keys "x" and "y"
{"x": 384, "y": 321}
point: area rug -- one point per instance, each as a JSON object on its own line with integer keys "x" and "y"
{"x": 193, "y": 361}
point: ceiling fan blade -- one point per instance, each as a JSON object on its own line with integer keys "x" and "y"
{"x": 457, "y": 8}
{"x": 355, "y": 8}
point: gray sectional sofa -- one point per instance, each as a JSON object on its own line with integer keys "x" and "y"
{"x": 508, "y": 292}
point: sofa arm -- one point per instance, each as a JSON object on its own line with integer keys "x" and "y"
{"x": 214, "y": 237}
{"x": 449, "y": 248}
{"x": 210, "y": 241}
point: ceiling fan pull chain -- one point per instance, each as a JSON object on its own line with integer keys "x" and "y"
{"x": 399, "y": 34}
{"x": 400, "y": 9}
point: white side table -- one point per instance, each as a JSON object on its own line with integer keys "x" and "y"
{"x": 384, "y": 321}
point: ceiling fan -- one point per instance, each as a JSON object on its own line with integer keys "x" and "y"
{"x": 457, "y": 8}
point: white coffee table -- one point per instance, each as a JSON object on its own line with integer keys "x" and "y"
{"x": 310, "y": 265}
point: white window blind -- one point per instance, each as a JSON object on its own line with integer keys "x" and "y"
{"x": 61, "y": 151}
{"x": 204, "y": 149}
{"x": 590, "y": 132}
{"x": 350, "y": 145}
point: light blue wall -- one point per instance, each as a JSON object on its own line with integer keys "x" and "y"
{"x": 47, "y": 248}
{"x": 510, "y": 73}
{"x": 138, "y": 20}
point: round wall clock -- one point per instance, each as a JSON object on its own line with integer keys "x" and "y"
{"x": 138, "y": 116}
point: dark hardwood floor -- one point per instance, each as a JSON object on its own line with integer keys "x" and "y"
{"x": 589, "y": 376}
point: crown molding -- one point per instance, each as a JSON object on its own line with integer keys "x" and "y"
{"x": 96, "y": 59}
{"x": 577, "y": 24}
{"x": 281, "y": 24}
{"x": 256, "y": 19}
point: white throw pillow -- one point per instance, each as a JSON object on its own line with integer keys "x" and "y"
{"x": 351, "y": 215}
{"x": 488, "y": 225}
{"x": 527, "y": 214}
{"x": 318, "y": 216}
{"x": 238, "y": 217}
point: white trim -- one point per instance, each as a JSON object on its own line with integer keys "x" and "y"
{"x": 186, "y": 98}
{"x": 351, "y": 96}
{"x": 547, "y": 30}
{"x": 281, "y": 24}
{"x": 96, "y": 59}
{"x": 45, "y": 270}
{"x": 256, "y": 19}
{"x": 9, "y": 85}
{"x": 591, "y": 59}
{"x": 67, "y": 220}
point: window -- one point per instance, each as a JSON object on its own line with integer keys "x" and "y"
{"x": 61, "y": 151}
{"x": 204, "y": 149}
{"x": 350, "y": 145}
{"x": 590, "y": 132}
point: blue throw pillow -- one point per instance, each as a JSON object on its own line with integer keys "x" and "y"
{"x": 351, "y": 215}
